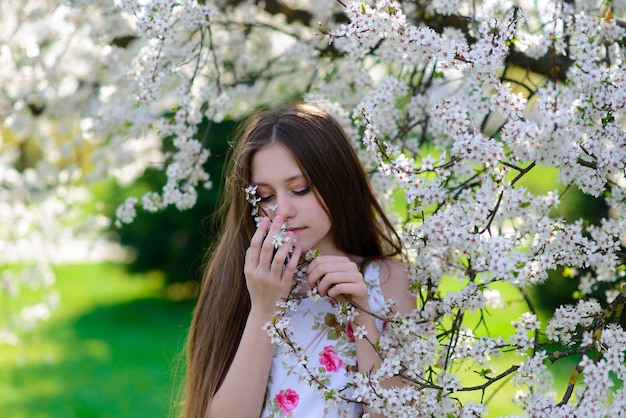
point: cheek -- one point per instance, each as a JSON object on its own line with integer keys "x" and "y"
{"x": 316, "y": 207}
{"x": 323, "y": 218}
{"x": 320, "y": 206}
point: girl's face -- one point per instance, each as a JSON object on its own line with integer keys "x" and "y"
{"x": 284, "y": 191}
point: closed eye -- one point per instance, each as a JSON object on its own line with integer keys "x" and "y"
{"x": 300, "y": 192}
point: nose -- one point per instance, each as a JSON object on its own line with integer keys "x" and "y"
{"x": 286, "y": 207}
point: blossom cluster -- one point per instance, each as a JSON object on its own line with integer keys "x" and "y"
{"x": 259, "y": 211}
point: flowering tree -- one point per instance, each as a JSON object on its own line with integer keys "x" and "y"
{"x": 450, "y": 104}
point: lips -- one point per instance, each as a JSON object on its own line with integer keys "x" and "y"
{"x": 295, "y": 230}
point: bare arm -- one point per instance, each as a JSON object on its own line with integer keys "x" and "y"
{"x": 394, "y": 285}
{"x": 394, "y": 282}
{"x": 243, "y": 389}
{"x": 242, "y": 392}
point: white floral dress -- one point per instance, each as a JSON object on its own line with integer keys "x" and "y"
{"x": 329, "y": 346}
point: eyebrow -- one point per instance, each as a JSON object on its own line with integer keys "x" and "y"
{"x": 288, "y": 180}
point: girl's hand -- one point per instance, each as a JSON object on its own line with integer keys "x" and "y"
{"x": 338, "y": 277}
{"x": 266, "y": 279}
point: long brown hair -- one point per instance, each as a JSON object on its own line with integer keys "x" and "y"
{"x": 331, "y": 167}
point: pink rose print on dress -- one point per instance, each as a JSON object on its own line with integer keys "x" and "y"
{"x": 330, "y": 359}
{"x": 287, "y": 400}
{"x": 350, "y": 331}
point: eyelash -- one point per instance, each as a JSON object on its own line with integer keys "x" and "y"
{"x": 296, "y": 192}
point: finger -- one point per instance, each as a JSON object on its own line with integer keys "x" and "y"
{"x": 252, "y": 254}
{"x": 325, "y": 282}
{"x": 352, "y": 291}
{"x": 341, "y": 289}
{"x": 292, "y": 264}
{"x": 341, "y": 273}
{"x": 267, "y": 249}
{"x": 281, "y": 255}
{"x": 333, "y": 262}
{"x": 318, "y": 269}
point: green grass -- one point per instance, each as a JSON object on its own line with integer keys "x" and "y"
{"x": 111, "y": 349}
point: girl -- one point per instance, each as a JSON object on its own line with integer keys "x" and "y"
{"x": 314, "y": 191}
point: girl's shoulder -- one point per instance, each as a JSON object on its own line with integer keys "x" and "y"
{"x": 394, "y": 283}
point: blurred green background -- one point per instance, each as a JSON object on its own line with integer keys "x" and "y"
{"x": 114, "y": 346}
{"x": 111, "y": 349}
